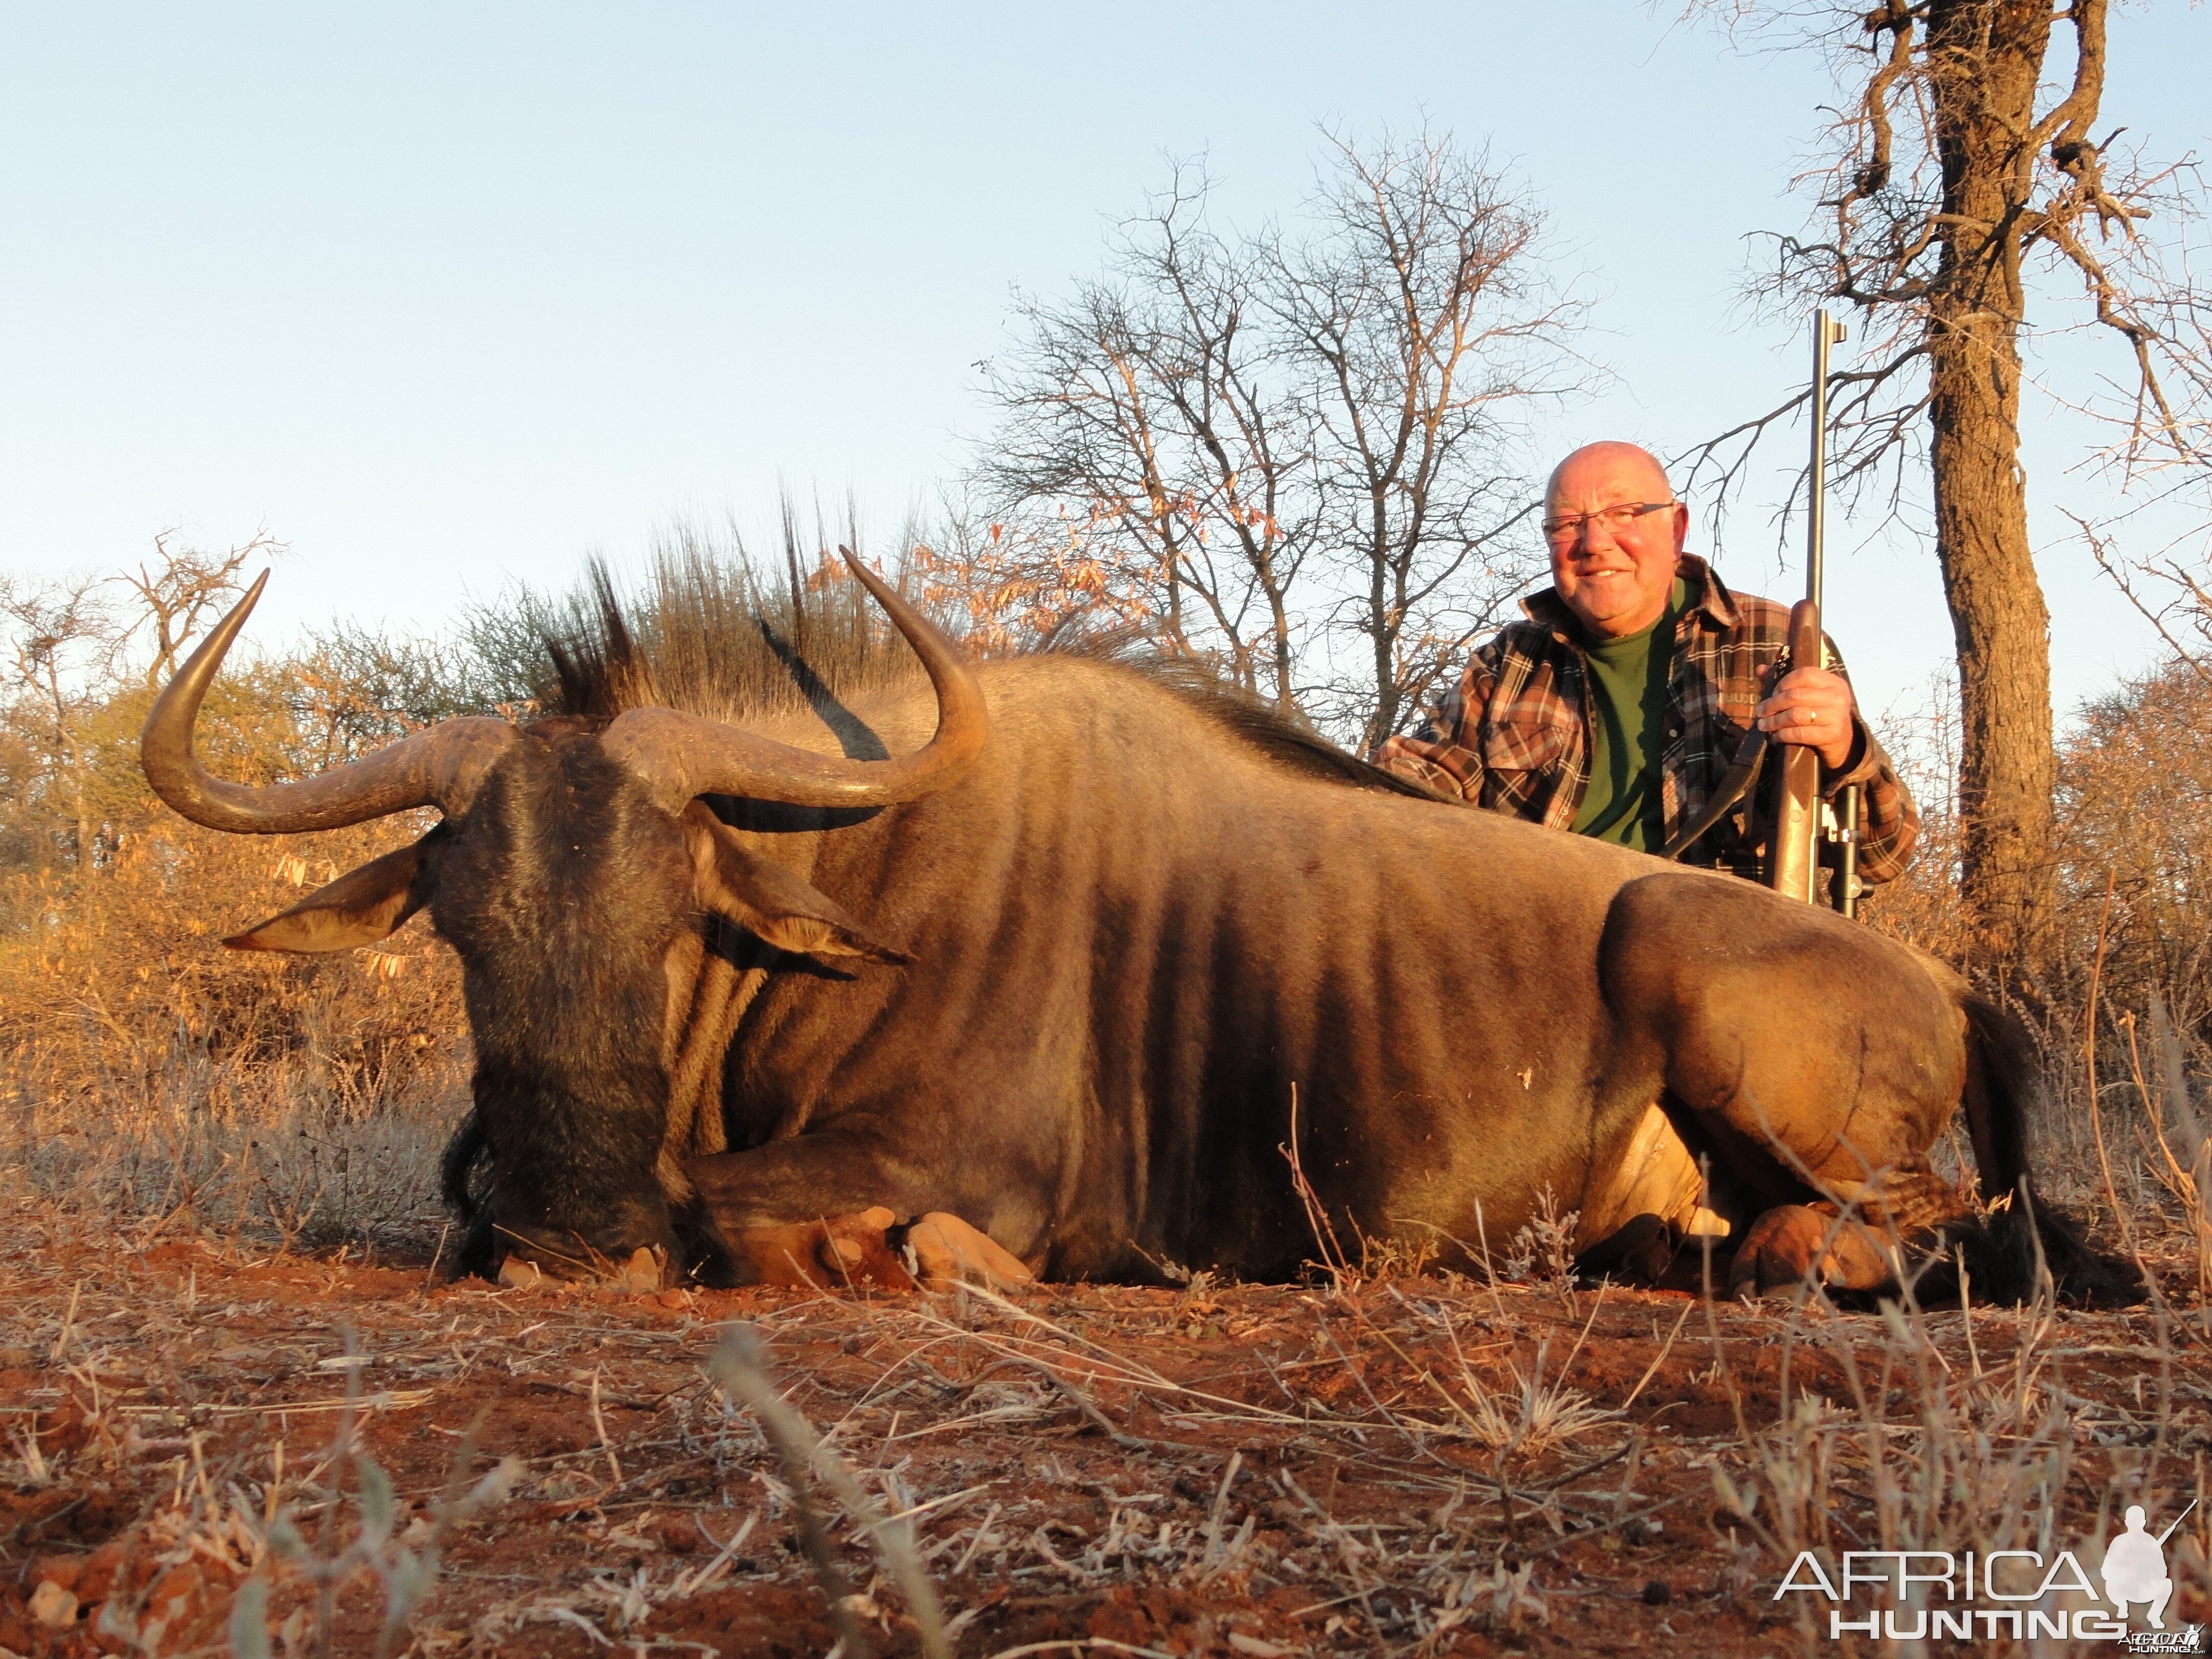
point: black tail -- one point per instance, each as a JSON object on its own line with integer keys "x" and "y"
{"x": 2002, "y": 1247}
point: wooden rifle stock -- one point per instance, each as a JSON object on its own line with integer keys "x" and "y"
{"x": 1793, "y": 861}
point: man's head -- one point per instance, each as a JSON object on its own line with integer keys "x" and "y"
{"x": 2136, "y": 1517}
{"x": 1613, "y": 570}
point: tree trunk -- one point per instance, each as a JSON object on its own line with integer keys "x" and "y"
{"x": 1987, "y": 58}
{"x": 1384, "y": 721}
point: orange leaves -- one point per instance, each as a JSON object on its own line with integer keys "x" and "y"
{"x": 1024, "y": 585}
{"x": 290, "y": 868}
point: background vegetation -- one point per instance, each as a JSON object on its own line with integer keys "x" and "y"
{"x": 144, "y": 1068}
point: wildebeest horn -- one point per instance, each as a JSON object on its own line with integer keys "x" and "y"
{"x": 688, "y": 755}
{"x": 437, "y": 768}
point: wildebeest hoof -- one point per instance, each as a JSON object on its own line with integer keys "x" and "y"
{"x": 641, "y": 1275}
{"x": 638, "y": 1276}
{"x": 943, "y": 1249}
{"x": 1641, "y": 1250}
{"x": 1793, "y": 1242}
{"x": 844, "y": 1252}
{"x": 517, "y": 1274}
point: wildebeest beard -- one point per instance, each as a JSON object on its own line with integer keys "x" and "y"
{"x": 561, "y": 888}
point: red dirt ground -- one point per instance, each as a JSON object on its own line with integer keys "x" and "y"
{"x": 1251, "y": 1471}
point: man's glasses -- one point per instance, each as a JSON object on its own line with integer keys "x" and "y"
{"x": 1567, "y": 529}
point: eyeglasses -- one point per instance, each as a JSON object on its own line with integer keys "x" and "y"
{"x": 1568, "y": 529}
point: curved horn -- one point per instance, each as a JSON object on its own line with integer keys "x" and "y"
{"x": 438, "y": 768}
{"x": 689, "y": 755}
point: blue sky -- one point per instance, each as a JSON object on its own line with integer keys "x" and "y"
{"x": 447, "y": 295}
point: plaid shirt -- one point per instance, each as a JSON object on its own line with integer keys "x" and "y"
{"x": 1514, "y": 734}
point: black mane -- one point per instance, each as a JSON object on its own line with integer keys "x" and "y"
{"x": 710, "y": 635}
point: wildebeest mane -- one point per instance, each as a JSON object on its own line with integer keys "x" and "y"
{"x": 714, "y": 634}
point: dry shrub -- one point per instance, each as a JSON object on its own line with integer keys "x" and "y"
{"x": 2135, "y": 817}
{"x": 2133, "y": 946}
{"x": 148, "y": 1069}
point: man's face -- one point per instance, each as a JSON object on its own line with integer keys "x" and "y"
{"x": 1615, "y": 578}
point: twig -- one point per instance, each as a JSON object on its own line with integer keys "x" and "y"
{"x": 737, "y": 1366}
{"x": 600, "y": 1422}
{"x": 1658, "y": 1360}
{"x": 1324, "y": 1232}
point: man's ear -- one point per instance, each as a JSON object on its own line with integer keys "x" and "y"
{"x": 761, "y": 894}
{"x": 359, "y": 907}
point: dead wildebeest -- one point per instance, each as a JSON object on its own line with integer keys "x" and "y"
{"x": 1062, "y": 968}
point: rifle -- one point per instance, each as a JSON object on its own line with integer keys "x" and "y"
{"x": 1793, "y": 859}
{"x": 1801, "y": 818}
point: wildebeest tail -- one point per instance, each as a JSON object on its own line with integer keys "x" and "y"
{"x": 466, "y": 1168}
{"x": 2017, "y": 1228}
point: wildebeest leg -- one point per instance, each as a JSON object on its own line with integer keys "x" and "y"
{"x": 1816, "y": 1059}
{"x": 1652, "y": 1198}
{"x": 1852, "y": 1249}
{"x": 1791, "y": 1243}
{"x": 873, "y": 1247}
{"x": 828, "y": 1204}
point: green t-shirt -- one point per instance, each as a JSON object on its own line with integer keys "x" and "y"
{"x": 1628, "y": 731}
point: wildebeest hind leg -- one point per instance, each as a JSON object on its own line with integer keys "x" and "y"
{"x": 1893, "y": 1225}
{"x": 1647, "y": 1201}
{"x": 1817, "y": 1060}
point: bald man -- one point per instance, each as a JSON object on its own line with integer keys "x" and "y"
{"x": 1615, "y": 709}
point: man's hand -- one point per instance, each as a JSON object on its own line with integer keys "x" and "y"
{"x": 1811, "y": 707}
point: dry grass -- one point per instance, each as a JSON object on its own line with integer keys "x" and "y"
{"x": 1398, "y": 1464}
{"x": 151, "y": 1077}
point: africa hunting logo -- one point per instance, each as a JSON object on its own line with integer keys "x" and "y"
{"x": 2029, "y": 1596}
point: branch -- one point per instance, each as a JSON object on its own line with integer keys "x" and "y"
{"x": 2099, "y": 550}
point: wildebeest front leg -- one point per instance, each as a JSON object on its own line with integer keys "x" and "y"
{"x": 813, "y": 1210}
{"x": 1817, "y": 1060}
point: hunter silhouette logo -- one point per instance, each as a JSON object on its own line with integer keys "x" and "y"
{"x": 2134, "y": 1566}
{"x": 1934, "y": 1594}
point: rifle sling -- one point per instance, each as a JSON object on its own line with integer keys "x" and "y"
{"x": 1734, "y": 782}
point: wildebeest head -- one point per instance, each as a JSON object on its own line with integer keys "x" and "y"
{"x": 570, "y": 869}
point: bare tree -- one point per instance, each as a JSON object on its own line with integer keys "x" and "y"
{"x": 50, "y": 622}
{"x": 179, "y": 591}
{"x": 1147, "y": 403}
{"x": 1296, "y": 446}
{"x": 2175, "y": 599}
{"x": 1962, "y": 166}
{"x": 64, "y": 633}
{"x": 1423, "y": 302}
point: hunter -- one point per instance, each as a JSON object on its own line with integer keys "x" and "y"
{"x": 1615, "y": 709}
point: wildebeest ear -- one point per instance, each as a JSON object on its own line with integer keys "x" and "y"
{"x": 760, "y": 894}
{"x": 359, "y": 907}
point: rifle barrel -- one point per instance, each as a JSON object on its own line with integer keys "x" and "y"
{"x": 1827, "y": 331}
{"x": 2176, "y": 1521}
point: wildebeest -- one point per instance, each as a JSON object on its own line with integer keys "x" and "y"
{"x": 1063, "y": 967}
